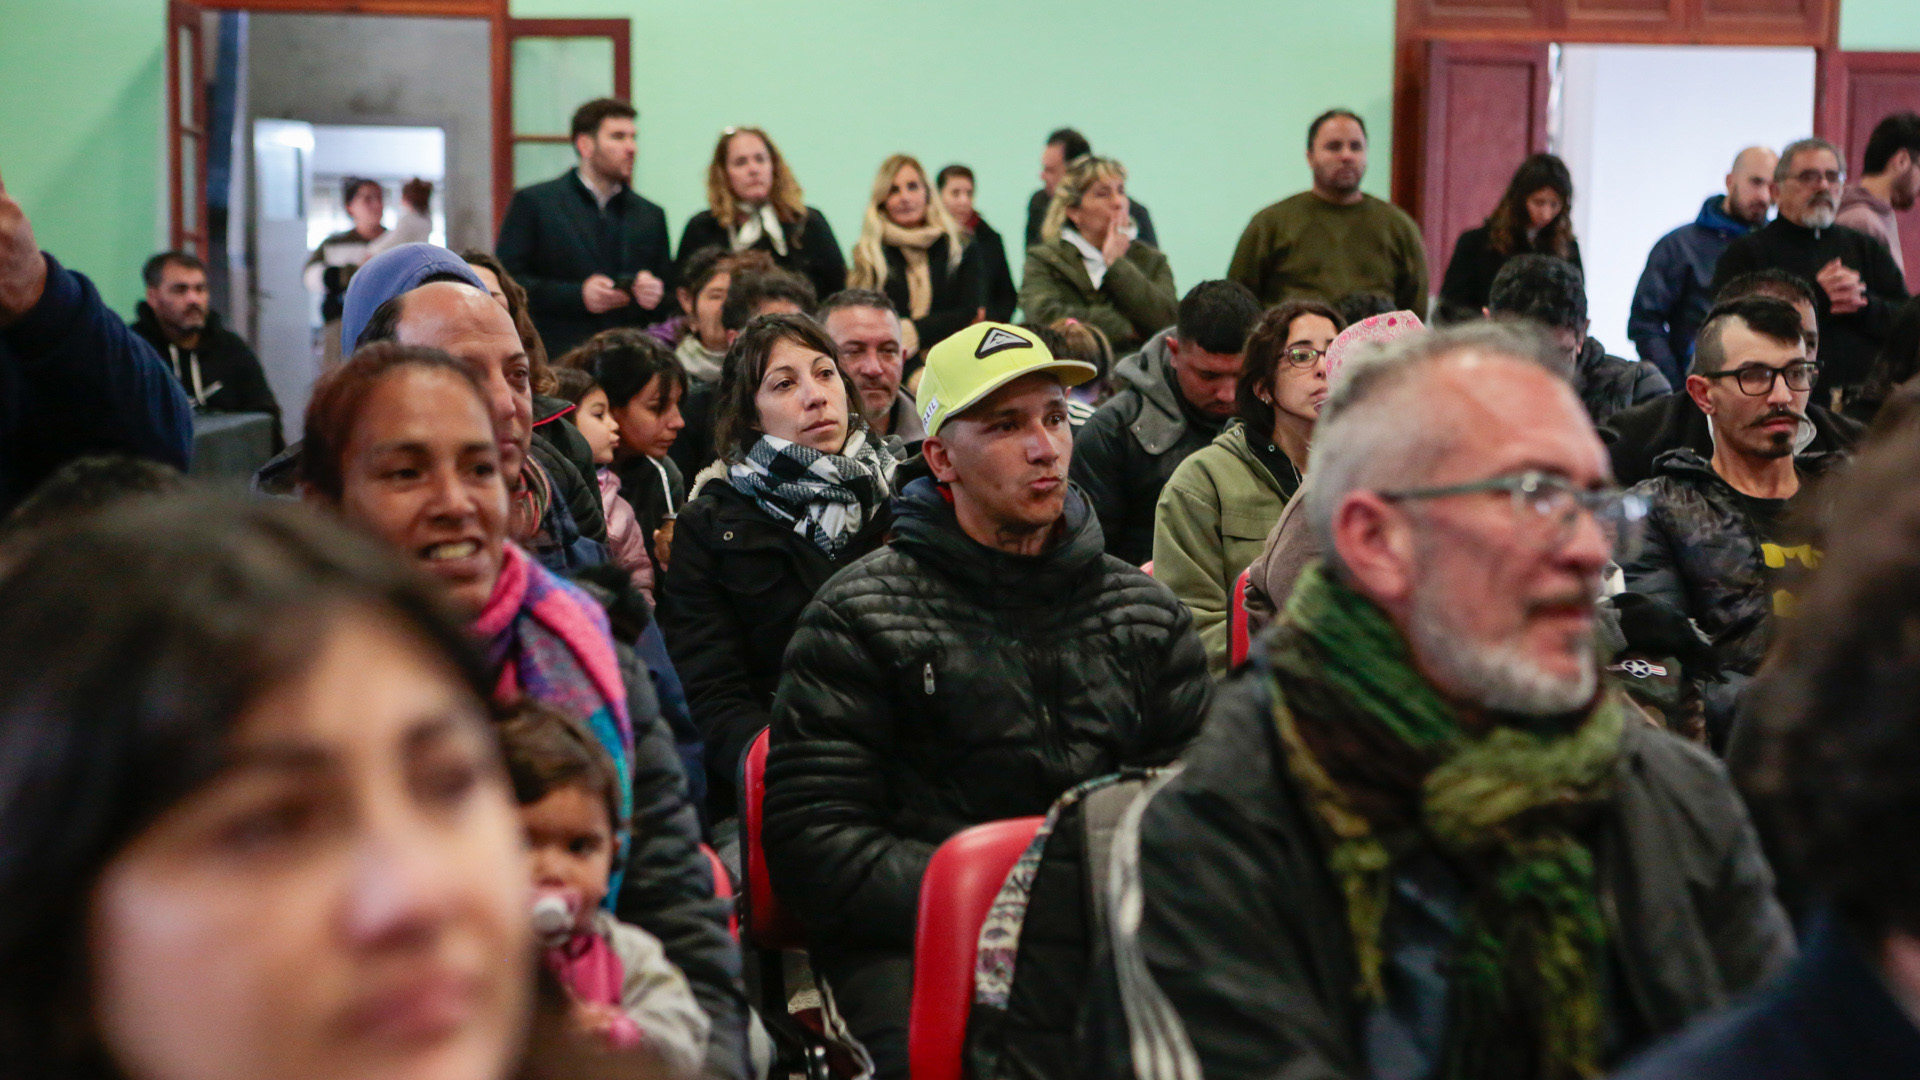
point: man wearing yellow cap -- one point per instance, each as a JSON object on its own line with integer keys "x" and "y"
{"x": 987, "y": 660}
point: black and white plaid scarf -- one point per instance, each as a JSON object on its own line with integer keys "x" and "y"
{"x": 827, "y": 498}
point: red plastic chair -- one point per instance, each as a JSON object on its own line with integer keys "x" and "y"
{"x": 723, "y": 890}
{"x": 799, "y": 1046}
{"x": 1239, "y": 642}
{"x": 961, "y": 882}
{"x": 768, "y": 924}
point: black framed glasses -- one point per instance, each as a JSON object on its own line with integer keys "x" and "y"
{"x": 1756, "y": 380}
{"x": 1548, "y": 507}
{"x": 1303, "y": 355}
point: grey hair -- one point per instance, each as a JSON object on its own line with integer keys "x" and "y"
{"x": 1373, "y": 435}
{"x": 1801, "y": 146}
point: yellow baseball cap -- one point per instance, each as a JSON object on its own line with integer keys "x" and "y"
{"x": 984, "y": 357}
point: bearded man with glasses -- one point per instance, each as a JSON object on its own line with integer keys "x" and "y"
{"x": 1728, "y": 539}
{"x": 1860, "y": 287}
{"x": 1419, "y": 836}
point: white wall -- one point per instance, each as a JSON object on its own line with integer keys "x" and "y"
{"x": 1648, "y": 133}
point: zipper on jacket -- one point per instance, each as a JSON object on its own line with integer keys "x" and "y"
{"x": 926, "y": 679}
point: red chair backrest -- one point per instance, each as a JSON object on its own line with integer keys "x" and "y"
{"x": 1238, "y": 640}
{"x": 768, "y": 924}
{"x": 961, "y": 882}
{"x": 723, "y": 889}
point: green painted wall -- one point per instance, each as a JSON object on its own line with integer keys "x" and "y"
{"x": 1205, "y": 101}
{"x": 83, "y": 82}
{"x": 1880, "y": 25}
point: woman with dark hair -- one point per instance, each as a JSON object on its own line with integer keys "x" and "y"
{"x": 911, "y": 249}
{"x": 1215, "y": 513}
{"x": 256, "y": 824}
{"x": 755, "y": 204}
{"x": 399, "y": 440}
{"x": 1535, "y": 217}
{"x": 800, "y": 491}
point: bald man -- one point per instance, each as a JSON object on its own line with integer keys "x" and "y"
{"x": 1673, "y": 296}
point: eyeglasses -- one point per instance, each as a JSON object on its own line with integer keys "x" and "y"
{"x": 1756, "y": 380}
{"x": 1548, "y": 508}
{"x": 1303, "y": 355}
{"x": 1812, "y": 177}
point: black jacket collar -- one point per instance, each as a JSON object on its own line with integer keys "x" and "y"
{"x": 926, "y": 528}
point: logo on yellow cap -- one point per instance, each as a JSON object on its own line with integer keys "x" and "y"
{"x": 998, "y": 340}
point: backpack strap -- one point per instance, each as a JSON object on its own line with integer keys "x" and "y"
{"x": 1100, "y": 814}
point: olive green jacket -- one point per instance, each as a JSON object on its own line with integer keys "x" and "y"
{"x": 1135, "y": 301}
{"x": 1211, "y": 522}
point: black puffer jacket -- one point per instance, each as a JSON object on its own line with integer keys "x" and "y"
{"x": 1608, "y": 384}
{"x": 1702, "y": 554}
{"x": 1244, "y": 949}
{"x": 734, "y": 590}
{"x": 939, "y": 684}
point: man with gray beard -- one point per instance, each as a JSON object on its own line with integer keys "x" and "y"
{"x": 1859, "y": 286}
{"x": 1418, "y": 836}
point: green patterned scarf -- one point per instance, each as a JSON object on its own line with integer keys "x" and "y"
{"x": 1386, "y": 765}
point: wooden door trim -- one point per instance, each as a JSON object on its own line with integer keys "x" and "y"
{"x": 507, "y": 29}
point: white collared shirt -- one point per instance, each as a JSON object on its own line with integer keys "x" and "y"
{"x": 1090, "y": 255}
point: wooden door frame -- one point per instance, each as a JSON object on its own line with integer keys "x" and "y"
{"x": 504, "y": 32}
{"x": 1832, "y": 84}
{"x": 493, "y": 11}
{"x": 1410, "y": 74}
{"x": 189, "y": 121}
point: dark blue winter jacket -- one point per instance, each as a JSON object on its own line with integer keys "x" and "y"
{"x": 1829, "y": 1017}
{"x": 74, "y": 380}
{"x": 1674, "y": 295}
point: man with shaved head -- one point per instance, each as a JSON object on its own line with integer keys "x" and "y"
{"x": 1419, "y": 836}
{"x": 1674, "y": 292}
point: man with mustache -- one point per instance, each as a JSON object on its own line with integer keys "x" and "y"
{"x": 215, "y": 367}
{"x": 1727, "y": 542}
{"x": 1860, "y": 287}
{"x": 864, "y": 324}
{"x": 1419, "y": 836}
{"x": 987, "y": 660}
{"x": 1333, "y": 240}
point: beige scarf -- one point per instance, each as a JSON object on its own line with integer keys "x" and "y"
{"x": 760, "y": 221}
{"x": 913, "y": 244}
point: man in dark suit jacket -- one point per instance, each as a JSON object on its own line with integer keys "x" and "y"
{"x": 1063, "y": 146}
{"x": 591, "y": 253}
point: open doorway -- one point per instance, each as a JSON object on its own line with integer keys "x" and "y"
{"x": 1649, "y": 132}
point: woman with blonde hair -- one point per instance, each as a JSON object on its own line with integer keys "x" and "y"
{"x": 1089, "y": 267}
{"x": 754, "y": 203}
{"x": 911, "y": 249}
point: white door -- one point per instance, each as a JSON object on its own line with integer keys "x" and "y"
{"x": 289, "y": 344}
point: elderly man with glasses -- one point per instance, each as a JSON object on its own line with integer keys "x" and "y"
{"x": 1860, "y": 286}
{"x": 1420, "y": 836}
{"x": 1728, "y": 541}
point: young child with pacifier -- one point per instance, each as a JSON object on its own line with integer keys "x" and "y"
{"x": 622, "y": 985}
